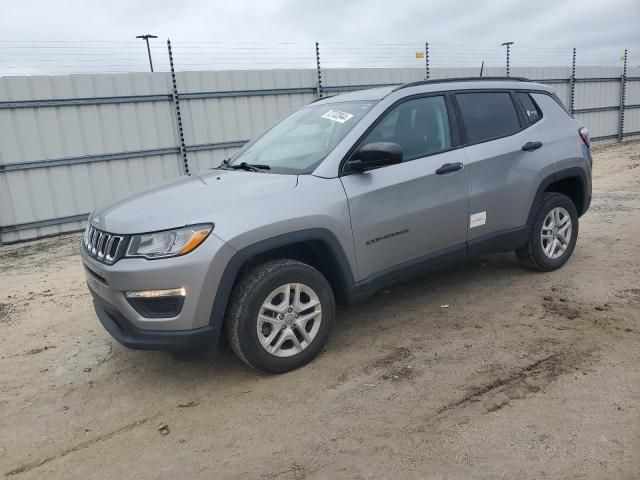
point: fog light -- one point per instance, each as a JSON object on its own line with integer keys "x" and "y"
{"x": 157, "y": 303}
{"x": 172, "y": 292}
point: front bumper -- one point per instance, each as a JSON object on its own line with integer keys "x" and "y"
{"x": 198, "y": 272}
{"x": 130, "y": 336}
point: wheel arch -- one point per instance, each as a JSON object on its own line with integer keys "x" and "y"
{"x": 317, "y": 247}
{"x": 571, "y": 182}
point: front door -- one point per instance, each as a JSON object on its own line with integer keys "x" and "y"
{"x": 407, "y": 213}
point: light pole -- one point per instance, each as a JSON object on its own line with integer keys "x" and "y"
{"x": 146, "y": 38}
{"x": 507, "y": 44}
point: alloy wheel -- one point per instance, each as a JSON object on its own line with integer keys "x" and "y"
{"x": 555, "y": 235}
{"x": 289, "y": 319}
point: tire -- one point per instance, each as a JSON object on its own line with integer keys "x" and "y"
{"x": 532, "y": 254}
{"x": 258, "y": 293}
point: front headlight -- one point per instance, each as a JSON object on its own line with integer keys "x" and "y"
{"x": 168, "y": 243}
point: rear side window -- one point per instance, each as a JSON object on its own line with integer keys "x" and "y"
{"x": 487, "y": 115}
{"x": 531, "y": 110}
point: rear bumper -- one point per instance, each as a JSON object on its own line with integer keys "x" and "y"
{"x": 130, "y": 336}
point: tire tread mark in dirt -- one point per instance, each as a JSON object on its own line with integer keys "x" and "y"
{"x": 81, "y": 446}
{"x": 519, "y": 375}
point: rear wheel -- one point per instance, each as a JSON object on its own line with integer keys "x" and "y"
{"x": 280, "y": 316}
{"x": 553, "y": 234}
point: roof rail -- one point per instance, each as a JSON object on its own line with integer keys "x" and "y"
{"x": 461, "y": 79}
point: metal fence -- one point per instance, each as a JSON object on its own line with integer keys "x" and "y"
{"x": 71, "y": 142}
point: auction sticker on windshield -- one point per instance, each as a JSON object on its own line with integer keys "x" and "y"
{"x": 337, "y": 116}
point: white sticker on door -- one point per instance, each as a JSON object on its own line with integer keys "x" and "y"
{"x": 477, "y": 219}
{"x": 337, "y": 116}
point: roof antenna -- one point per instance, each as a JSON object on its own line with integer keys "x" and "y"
{"x": 481, "y": 67}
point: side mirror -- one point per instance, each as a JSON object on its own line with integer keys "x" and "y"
{"x": 374, "y": 155}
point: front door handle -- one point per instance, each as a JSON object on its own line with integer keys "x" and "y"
{"x": 449, "y": 167}
{"x": 530, "y": 146}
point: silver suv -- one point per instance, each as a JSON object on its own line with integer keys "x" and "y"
{"x": 340, "y": 199}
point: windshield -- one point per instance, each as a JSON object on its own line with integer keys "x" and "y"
{"x": 303, "y": 139}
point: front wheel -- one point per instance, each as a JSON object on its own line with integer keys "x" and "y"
{"x": 553, "y": 234}
{"x": 280, "y": 316}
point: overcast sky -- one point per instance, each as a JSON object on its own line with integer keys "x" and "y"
{"x": 607, "y": 26}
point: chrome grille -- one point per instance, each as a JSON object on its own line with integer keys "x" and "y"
{"x": 103, "y": 246}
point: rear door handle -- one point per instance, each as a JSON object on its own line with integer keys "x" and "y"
{"x": 449, "y": 167}
{"x": 530, "y": 146}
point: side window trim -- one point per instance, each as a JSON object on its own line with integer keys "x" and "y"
{"x": 456, "y": 141}
{"x": 522, "y": 118}
{"x": 454, "y": 122}
{"x": 516, "y": 104}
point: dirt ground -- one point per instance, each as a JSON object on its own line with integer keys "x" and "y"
{"x": 485, "y": 370}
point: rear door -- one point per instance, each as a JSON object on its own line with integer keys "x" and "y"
{"x": 404, "y": 213}
{"x": 505, "y": 155}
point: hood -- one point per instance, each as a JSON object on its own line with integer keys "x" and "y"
{"x": 189, "y": 200}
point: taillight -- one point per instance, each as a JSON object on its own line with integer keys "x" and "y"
{"x": 584, "y": 135}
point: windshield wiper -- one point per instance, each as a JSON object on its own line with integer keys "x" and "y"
{"x": 251, "y": 167}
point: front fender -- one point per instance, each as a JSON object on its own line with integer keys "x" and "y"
{"x": 242, "y": 256}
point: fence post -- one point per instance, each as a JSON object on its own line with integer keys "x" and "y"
{"x": 426, "y": 60}
{"x": 572, "y": 84}
{"x": 508, "y": 45}
{"x": 319, "y": 91}
{"x": 176, "y": 104}
{"x": 623, "y": 92}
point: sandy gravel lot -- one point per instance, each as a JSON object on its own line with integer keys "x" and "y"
{"x": 524, "y": 375}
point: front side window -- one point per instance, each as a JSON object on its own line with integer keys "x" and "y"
{"x": 487, "y": 115}
{"x": 303, "y": 139}
{"x": 420, "y": 126}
